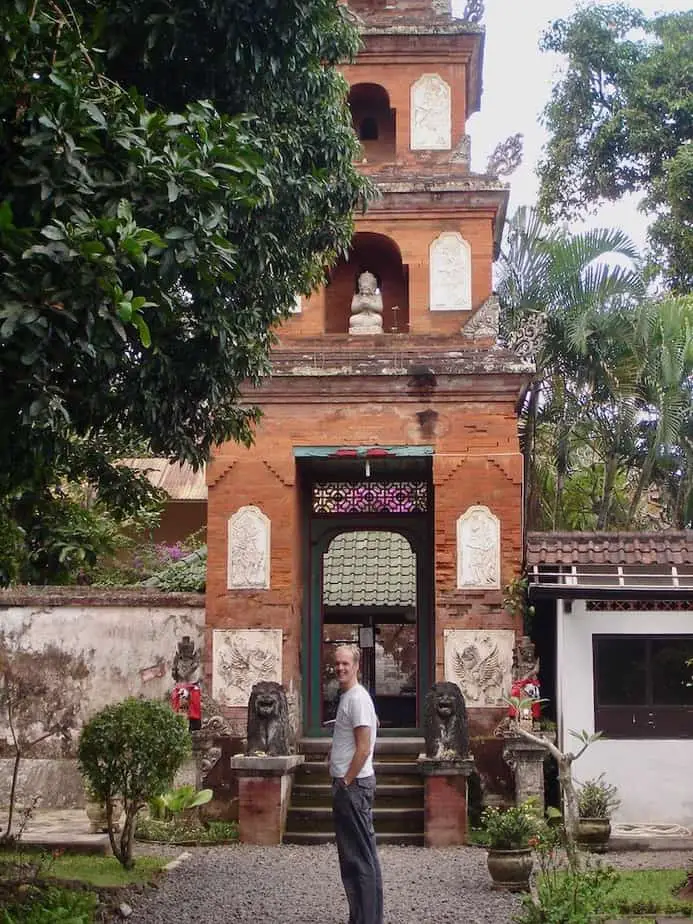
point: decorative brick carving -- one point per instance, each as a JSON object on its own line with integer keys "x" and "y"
{"x": 478, "y": 549}
{"x": 431, "y": 114}
{"x": 242, "y": 658}
{"x": 480, "y": 663}
{"x": 248, "y": 550}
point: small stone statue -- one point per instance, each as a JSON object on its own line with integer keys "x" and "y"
{"x": 445, "y": 722}
{"x": 269, "y": 728}
{"x": 186, "y": 662}
{"x": 367, "y": 307}
{"x": 525, "y": 684}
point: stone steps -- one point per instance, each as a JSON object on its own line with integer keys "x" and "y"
{"x": 398, "y": 814}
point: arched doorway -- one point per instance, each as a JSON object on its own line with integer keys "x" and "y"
{"x": 381, "y": 256}
{"x": 374, "y": 122}
{"x": 371, "y": 584}
{"x": 369, "y": 599}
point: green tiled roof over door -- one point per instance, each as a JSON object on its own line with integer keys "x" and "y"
{"x": 369, "y": 568}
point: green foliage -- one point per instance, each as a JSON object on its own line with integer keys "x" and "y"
{"x": 651, "y": 891}
{"x": 178, "y": 800}
{"x": 621, "y": 120}
{"x": 88, "y": 869}
{"x": 131, "y": 751}
{"x": 597, "y": 798}
{"x": 53, "y": 906}
{"x": 607, "y": 423}
{"x": 178, "y": 831}
{"x": 512, "y": 828}
{"x": 188, "y": 575}
{"x": 168, "y": 183}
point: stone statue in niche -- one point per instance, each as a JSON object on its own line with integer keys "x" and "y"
{"x": 186, "y": 662}
{"x": 269, "y": 728}
{"x": 525, "y": 685}
{"x": 366, "y": 307}
{"x": 445, "y": 722}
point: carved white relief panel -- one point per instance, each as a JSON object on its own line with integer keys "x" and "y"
{"x": 248, "y": 565}
{"x": 297, "y": 305}
{"x": 431, "y": 114}
{"x": 478, "y": 549}
{"x": 480, "y": 662}
{"x": 241, "y": 658}
{"x": 450, "y": 263}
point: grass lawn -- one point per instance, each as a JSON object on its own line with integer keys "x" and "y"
{"x": 650, "y": 891}
{"x": 92, "y": 870}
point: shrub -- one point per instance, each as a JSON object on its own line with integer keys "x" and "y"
{"x": 597, "y": 798}
{"x": 132, "y": 750}
{"x": 511, "y": 829}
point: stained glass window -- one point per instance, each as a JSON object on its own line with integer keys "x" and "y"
{"x": 370, "y": 497}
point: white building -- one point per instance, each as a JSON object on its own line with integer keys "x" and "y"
{"x": 623, "y": 647}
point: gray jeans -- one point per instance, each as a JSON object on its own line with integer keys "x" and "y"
{"x": 352, "y": 811}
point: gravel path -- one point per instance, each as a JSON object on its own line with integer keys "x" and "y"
{"x": 301, "y": 885}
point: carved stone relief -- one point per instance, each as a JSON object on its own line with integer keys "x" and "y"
{"x": 473, "y": 11}
{"x": 528, "y": 340}
{"x": 480, "y": 661}
{"x": 431, "y": 114}
{"x": 248, "y": 549}
{"x": 450, "y": 262}
{"x": 506, "y": 156}
{"x": 484, "y": 324}
{"x": 478, "y": 549}
{"x": 241, "y": 658}
{"x": 297, "y": 305}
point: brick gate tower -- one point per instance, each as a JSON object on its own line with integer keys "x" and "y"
{"x": 381, "y": 502}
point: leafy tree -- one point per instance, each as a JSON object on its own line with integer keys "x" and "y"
{"x": 161, "y": 202}
{"x": 620, "y": 120}
{"x": 131, "y": 750}
{"x": 583, "y": 304}
{"x": 606, "y": 423}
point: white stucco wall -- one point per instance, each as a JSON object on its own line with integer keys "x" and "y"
{"x": 653, "y": 777}
{"x": 128, "y": 646}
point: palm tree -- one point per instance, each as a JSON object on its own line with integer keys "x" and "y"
{"x": 584, "y": 362}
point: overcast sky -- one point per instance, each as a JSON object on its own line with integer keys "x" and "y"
{"x": 517, "y": 83}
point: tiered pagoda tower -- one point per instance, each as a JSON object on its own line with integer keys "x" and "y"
{"x": 381, "y": 502}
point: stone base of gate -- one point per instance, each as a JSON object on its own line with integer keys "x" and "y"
{"x": 264, "y": 792}
{"x": 445, "y": 800}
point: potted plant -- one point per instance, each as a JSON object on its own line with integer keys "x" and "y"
{"x": 597, "y": 799}
{"x": 511, "y": 834}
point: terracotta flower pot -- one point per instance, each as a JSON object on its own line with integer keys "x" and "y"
{"x": 96, "y": 813}
{"x": 594, "y": 834}
{"x": 510, "y": 869}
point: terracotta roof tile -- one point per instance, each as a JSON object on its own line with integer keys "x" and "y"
{"x": 668, "y": 547}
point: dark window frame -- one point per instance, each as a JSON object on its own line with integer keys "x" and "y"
{"x": 648, "y": 720}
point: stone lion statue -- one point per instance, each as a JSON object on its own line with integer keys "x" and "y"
{"x": 445, "y": 722}
{"x": 269, "y": 729}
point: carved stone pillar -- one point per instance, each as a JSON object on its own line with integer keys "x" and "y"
{"x": 526, "y": 760}
{"x": 445, "y": 800}
{"x": 264, "y": 792}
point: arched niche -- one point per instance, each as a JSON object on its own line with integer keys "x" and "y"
{"x": 381, "y": 256}
{"x": 431, "y": 114}
{"x": 450, "y": 271}
{"x": 374, "y": 121}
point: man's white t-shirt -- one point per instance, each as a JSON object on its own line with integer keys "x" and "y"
{"x": 355, "y": 709}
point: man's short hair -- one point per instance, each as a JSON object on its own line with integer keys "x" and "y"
{"x": 353, "y": 650}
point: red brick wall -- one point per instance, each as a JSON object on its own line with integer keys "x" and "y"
{"x": 477, "y": 462}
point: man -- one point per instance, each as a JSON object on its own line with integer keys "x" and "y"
{"x": 353, "y": 790}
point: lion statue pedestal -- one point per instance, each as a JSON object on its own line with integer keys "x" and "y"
{"x": 266, "y": 771}
{"x": 446, "y": 766}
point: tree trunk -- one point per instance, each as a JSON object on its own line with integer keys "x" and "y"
{"x": 7, "y": 836}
